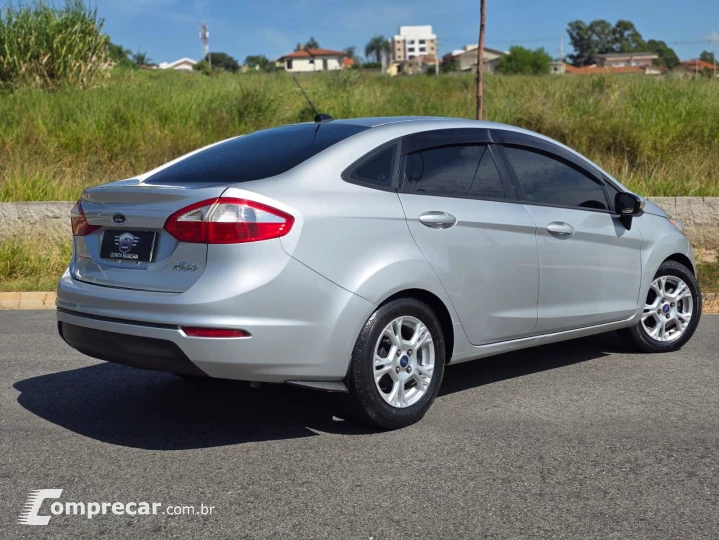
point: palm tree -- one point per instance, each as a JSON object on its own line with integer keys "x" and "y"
{"x": 140, "y": 59}
{"x": 378, "y": 46}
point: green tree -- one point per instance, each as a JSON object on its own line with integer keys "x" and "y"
{"x": 588, "y": 40}
{"x": 667, "y": 57}
{"x": 600, "y": 37}
{"x": 626, "y": 38}
{"x": 521, "y": 60}
{"x": 707, "y": 56}
{"x": 141, "y": 59}
{"x": 311, "y": 44}
{"x": 220, "y": 60}
{"x": 450, "y": 66}
{"x": 119, "y": 54}
{"x": 377, "y": 46}
{"x": 257, "y": 61}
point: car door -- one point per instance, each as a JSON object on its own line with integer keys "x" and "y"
{"x": 463, "y": 214}
{"x": 589, "y": 263}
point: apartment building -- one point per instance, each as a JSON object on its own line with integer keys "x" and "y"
{"x": 413, "y": 41}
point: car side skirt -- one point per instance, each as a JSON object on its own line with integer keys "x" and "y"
{"x": 492, "y": 349}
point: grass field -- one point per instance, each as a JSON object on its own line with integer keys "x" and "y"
{"x": 658, "y": 136}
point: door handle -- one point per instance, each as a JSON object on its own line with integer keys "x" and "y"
{"x": 437, "y": 220}
{"x": 560, "y": 229}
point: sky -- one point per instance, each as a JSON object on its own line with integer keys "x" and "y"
{"x": 169, "y": 29}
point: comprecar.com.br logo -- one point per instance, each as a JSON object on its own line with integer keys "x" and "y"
{"x": 31, "y": 513}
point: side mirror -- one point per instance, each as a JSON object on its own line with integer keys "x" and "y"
{"x": 627, "y": 205}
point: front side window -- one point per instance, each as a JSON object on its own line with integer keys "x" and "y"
{"x": 454, "y": 171}
{"x": 547, "y": 180}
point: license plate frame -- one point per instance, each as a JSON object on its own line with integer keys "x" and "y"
{"x": 121, "y": 244}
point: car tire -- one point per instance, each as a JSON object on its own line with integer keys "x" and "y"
{"x": 647, "y": 338}
{"x": 402, "y": 392}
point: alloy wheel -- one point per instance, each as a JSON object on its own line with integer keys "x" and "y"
{"x": 404, "y": 361}
{"x": 668, "y": 309}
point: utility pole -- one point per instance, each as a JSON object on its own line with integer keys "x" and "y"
{"x": 480, "y": 55}
{"x": 561, "y": 48}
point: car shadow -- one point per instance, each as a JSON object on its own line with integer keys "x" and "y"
{"x": 158, "y": 411}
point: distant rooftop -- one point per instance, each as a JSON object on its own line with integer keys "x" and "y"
{"x": 311, "y": 53}
{"x": 416, "y": 31}
{"x": 626, "y": 55}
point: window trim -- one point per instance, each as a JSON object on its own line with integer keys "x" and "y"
{"x": 509, "y": 192}
{"x": 543, "y": 149}
{"x": 347, "y": 173}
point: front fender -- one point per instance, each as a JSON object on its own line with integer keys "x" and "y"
{"x": 660, "y": 240}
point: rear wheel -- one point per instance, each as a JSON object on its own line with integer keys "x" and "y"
{"x": 671, "y": 311}
{"x": 397, "y": 365}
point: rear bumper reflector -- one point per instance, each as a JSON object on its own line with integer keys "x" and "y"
{"x": 192, "y": 331}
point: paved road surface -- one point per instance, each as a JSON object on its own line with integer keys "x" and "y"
{"x": 577, "y": 440}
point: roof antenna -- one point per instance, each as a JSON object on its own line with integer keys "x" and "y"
{"x": 320, "y": 118}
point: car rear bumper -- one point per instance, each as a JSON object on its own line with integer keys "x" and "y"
{"x": 302, "y": 326}
{"x": 136, "y": 351}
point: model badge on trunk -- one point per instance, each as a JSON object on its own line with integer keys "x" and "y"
{"x": 185, "y": 266}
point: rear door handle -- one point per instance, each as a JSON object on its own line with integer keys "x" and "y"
{"x": 437, "y": 220}
{"x": 561, "y": 230}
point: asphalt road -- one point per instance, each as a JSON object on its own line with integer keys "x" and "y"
{"x": 577, "y": 440}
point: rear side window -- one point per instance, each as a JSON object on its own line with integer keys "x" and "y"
{"x": 550, "y": 181}
{"x": 454, "y": 171}
{"x": 376, "y": 171}
{"x": 258, "y": 155}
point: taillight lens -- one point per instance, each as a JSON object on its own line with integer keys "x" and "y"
{"x": 80, "y": 226}
{"x": 228, "y": 221}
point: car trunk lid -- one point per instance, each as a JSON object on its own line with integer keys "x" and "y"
{"x": 128, "y": 211}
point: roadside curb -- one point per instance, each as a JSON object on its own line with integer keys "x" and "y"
{"x": 46, "y": 300}
{"x": 711, "y": 303}
{"x": 27, "y": 300}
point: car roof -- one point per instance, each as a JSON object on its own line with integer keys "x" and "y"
{"x": 376, "y": 121}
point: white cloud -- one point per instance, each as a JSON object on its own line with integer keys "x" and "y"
{"x": 713, "y": 37}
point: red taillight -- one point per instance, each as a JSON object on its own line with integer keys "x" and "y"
{"x": 228, "y": 221}
{"x": 80, "y": 226}
{"x": 215, "y": 332}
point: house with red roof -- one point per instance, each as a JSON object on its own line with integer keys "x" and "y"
{"x": 308, "y": 60}
{"x": 696, "y": 67}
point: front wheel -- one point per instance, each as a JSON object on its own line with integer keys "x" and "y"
{"x": 397, "y": 365}
{"x": 671, "y": 311}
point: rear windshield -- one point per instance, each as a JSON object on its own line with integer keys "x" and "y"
{"x": 258, "y": 155}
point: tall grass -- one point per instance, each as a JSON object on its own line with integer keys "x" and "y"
{"x": 47, "y": 45}
{"x": 32, "y": 265}
{"x": 658, "y": 136}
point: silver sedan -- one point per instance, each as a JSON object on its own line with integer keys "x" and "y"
{"x": 363, "y": 256}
